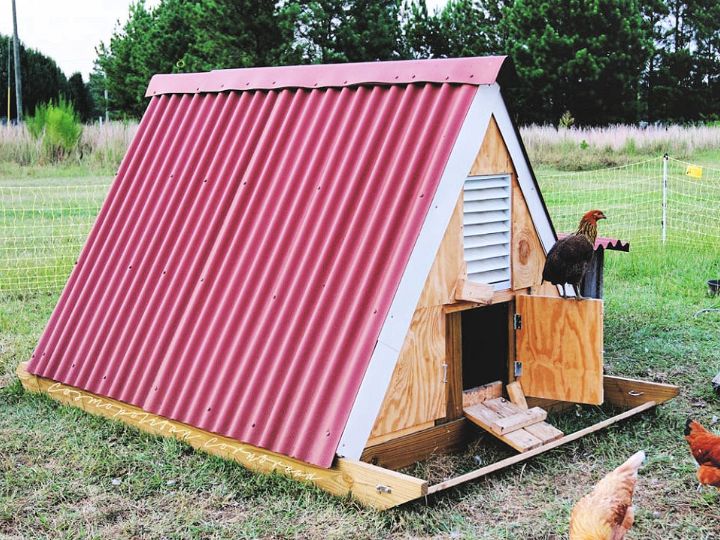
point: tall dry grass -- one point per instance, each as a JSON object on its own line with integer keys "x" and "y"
{"x": 583, "y": 148}
{"x": 101, "y": 147}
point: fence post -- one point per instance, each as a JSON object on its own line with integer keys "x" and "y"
{"x": 664, "y": 198}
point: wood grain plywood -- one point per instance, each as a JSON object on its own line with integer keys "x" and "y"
{"x": 449, "y": 263}
{"x": 493, "y": 156}
{"x": 528, "y": 256}
{"x": 560, "y": 346}
{"x": 417, "y": 391}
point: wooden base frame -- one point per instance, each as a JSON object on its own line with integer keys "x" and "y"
{"x": 373, "y": 486}
{"x": 370, "y": 484}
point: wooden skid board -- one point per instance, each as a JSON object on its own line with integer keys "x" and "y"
{"x": 522, "y": 440}
{"x": 545, "y": 432}
{"x": 482, "y": 393}
{"x": 371, "y": 485}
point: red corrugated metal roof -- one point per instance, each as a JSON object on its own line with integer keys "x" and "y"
{"x": 605, "y": 243}
{"x": 474, "y": 71}
{"x": 243, "y": 264}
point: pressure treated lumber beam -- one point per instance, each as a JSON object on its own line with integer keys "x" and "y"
{"x": 371, "y": 485}
{"x": 408, "y": 449}
{"x": 624, "y": 393}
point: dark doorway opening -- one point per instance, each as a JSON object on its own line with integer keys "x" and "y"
{"x": 485, "y": 345}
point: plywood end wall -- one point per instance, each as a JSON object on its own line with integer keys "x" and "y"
{"x": 418, "y": 392}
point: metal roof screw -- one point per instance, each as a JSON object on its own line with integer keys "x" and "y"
{"x": 413, "y": 76}
{"x": 197, "y": 89}
{"x": 397, "y": 76}
{"x": 344, "y": 82}
{"x": 471, "y": 75}
{"x": 422, "y": 195}
{"x": 209, "y": 409}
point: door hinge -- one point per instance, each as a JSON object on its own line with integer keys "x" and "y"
{"x": 517, "y": 321}
{"x": 518, "y": 369}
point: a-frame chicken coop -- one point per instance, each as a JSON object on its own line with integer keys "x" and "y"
{"x": 329, "y": 272}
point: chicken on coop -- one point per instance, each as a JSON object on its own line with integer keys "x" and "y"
{"x": 568, "y": 260}
{"x": 705, "y": 448}
{"x": 607, "y": 512}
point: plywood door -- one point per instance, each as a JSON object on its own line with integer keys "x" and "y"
{"x": 560, "y": 346}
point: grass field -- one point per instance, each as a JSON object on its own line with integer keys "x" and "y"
{"x": 65, "y": 474}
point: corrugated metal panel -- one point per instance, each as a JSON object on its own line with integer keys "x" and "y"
{"x": 474, "y": 71}
{"x": 613, "y": 244}
{"x": 243, "y": 264}
{"x": 486, "y": 229}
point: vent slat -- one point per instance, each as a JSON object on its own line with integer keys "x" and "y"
{"x": 475, "y": 218}
{"x": 486, "y": 194}
{"x": 486, "y": 239}
{"x": 486, "y": 265}
{"x": 485, "y": 252}
{"x": 486, "y": 228}
{"x": 487, "y": 205}
{"x": 491, "y": 278}
{"x": 487, "y": 182}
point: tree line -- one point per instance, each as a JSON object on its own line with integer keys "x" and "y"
{"x": 43, "y": 82}
{"x": 595, "y": 61}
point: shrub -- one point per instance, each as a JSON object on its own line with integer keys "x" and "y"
{"x": 58, "y": 127}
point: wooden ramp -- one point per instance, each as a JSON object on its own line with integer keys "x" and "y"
{"x": 513, "y": 423}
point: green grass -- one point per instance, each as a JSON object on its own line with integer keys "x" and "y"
{"x": 57, "y": 464}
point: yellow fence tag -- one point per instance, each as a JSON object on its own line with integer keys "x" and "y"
{"x": 694, "y": 171}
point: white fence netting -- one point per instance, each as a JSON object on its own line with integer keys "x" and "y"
{"x": 43, "y": 227}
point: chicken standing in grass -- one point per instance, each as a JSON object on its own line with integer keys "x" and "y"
{"x": 607, "y": 512}
{"x": 569, "y": 258}
{"x": 705, "y": 448}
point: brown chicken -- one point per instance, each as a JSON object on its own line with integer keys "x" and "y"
{"x": 705, "y": 448}
{"x": 607, "y": 512}
{"x": 568, "y": 260}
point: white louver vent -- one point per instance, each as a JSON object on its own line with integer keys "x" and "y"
{"x": 486, "y": 231}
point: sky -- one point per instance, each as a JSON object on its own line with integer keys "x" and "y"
{"x": 65, "y": 30}
{"x": 69, "y": 30}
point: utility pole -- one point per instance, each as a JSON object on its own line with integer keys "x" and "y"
{"x": 107, "y": 114}
{"x": 18, "y": 77}
{"x": 8, "y": 85}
